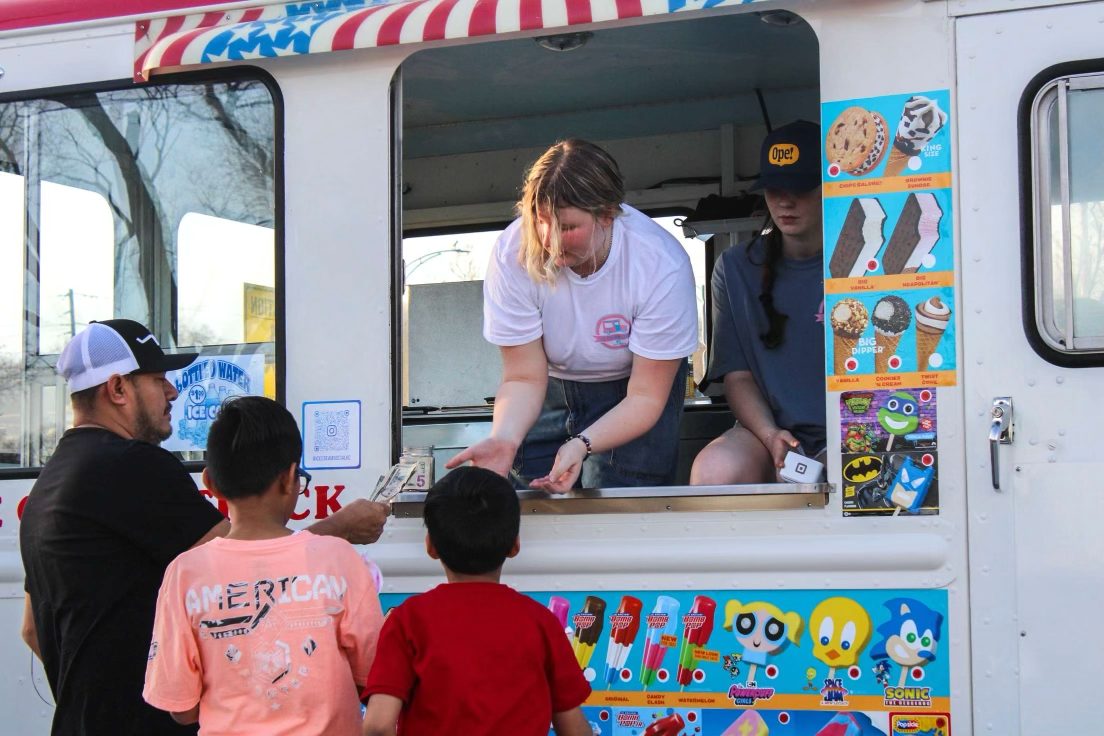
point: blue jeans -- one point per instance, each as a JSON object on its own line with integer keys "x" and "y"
{"x": 572, "y": 406}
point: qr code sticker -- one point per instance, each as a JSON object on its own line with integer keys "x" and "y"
{"x": 331, "y": 430}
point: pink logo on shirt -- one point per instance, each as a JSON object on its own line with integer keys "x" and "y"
{"x": 613, "y": 331}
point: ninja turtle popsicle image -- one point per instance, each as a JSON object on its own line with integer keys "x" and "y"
{"x": 899, "y": 416}
{"x": 911, "y": 635}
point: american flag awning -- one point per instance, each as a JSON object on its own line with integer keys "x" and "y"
{"x": 336, "y": 25}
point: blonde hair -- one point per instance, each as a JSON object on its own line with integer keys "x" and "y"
{"x": 793, "y": 621}
{"x": 572, "y": 173}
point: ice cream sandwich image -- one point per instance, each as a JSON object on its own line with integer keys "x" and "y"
{"x": 932, "y": 319}
{"x": 891, "y": 317}
{"x": 920, "y": 121}
{"x": 914, "y": 236}
{"x": 860, "y": 239}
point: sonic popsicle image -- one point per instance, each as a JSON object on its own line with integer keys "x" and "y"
{"x": 623, "y": 627}
{"x": 662, "y": 621}
{"x": 840, "y": 629}
{"x": 911, "y": 635}
{"x": 588, "y": 627}
{"x": 697, "y": 625}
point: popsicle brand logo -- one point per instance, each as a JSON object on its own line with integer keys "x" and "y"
{"x": 583, "y": 620}
{"x": 910, "y": 725}
{"x": 783, "y": 154}
{"x": 621, "y": 620}
{"x": 908, "y": 697}
{"x": 658, "y": 620}
{"x": 748, "y": 694}
{"x": 833, "y": 692}
{"x": 693, "y": 621}
{"x": 629, "y": 719}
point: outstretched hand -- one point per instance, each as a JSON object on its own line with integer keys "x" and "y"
{"x": 566, "y": 469}
{"x": 491, "y": 453}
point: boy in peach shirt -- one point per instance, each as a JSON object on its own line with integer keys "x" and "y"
{"x": 265, "y": 631}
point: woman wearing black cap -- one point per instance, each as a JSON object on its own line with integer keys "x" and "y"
{"x": 768, "y": 322}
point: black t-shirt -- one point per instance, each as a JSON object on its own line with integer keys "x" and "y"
{"x": 105, "y": 518}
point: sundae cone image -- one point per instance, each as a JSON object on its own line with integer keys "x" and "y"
{"x": 891, "y": 317}
{"x": 920, "y": 121}
{"x": 849, "y": 319}
{"x": 932, "y": 318}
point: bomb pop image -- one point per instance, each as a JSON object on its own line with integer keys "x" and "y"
{"x": 623, "y": 627}
{"x": 588, "y": 627}
{"x": 697, "y": 626}
{"x": 662, "y": 621}
{"x": 671, "y": 725}
{"x": 559, "y": 607}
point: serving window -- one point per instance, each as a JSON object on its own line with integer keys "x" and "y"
{"x": 474, "y": 117}
{"x": 154, "y": 203}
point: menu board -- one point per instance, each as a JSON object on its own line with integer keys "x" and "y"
{"x": 889, "y": 242}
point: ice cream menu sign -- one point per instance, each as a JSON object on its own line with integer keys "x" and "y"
{"x": 888, "y": 241}
{"x": 760, "y": 662}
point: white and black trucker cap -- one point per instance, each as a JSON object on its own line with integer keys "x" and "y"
{"x": 112, "y": 346}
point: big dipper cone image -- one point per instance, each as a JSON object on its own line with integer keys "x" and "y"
{"x": 849, "y": 319}
{"x": 920, "y": 121}
{"x": 932, "y": 318}
{"x": 891, "y": 317}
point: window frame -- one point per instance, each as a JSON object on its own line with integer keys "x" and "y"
{"x": 231, "y": 74}
{"x": 1036, "y": 248}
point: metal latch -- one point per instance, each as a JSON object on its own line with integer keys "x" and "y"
{"x": 1001, "y": 431}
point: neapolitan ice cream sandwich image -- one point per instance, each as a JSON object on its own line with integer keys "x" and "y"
{"x": 849, "y": 320}
{"x": 856, "y": 141}
{"x": 860, "y": 239}
{"x": 891, "y": 317}
{"x": 920, "y": 121}
{"x": 932, "y": 318}
{"x": 914, "y": 236}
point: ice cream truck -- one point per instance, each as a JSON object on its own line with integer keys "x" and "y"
{"x": 306, "y": 193}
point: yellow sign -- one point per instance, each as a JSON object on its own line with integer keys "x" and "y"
{"x": 783, "y": 154}
{"x": 259, "y": 313}
{"x": 259, "y": 325}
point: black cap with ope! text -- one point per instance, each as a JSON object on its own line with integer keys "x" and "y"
{"x": 790, "y": 158}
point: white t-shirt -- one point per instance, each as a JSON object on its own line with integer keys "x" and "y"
{"x": 641, "y": 301}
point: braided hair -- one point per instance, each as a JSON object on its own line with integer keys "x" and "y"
{"x": 771, "y": 238}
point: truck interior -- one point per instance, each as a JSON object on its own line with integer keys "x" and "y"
{"x": 682, "y": 105}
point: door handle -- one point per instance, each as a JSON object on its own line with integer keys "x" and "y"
{"x": 1001, "y": 430}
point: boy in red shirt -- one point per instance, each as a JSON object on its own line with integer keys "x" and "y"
{"x": 474, "y": 656}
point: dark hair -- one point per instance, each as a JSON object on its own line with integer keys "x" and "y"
{"x": 85, "y": 400}
{"x": 252, "y": 441}
{"x": 771, "y": 238}
{"x": 473, "y": 516}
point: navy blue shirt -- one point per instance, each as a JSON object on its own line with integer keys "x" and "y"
{"x": 791, "y": 376}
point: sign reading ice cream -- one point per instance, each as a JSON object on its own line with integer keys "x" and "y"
{"x": 889, "y": 242}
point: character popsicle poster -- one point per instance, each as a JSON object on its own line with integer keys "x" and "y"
{"x": 734, "y": 662}
{"x": 889, "y": 242}
{"x": 889, "y": 440}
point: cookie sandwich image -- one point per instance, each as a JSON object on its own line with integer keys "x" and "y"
{"x": 932, "y": 318}
{"x": 891, "y": 317}
{"x": 914, "y": 236}
{"x": 860, "y": 239}
{"x": 920, "y": 121}
{"x": 849, "y": 319}
{"x": 856, "y": 141}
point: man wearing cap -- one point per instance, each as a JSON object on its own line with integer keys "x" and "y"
{"x": 108, "y": 513}
{"x": 768, "y": 322}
